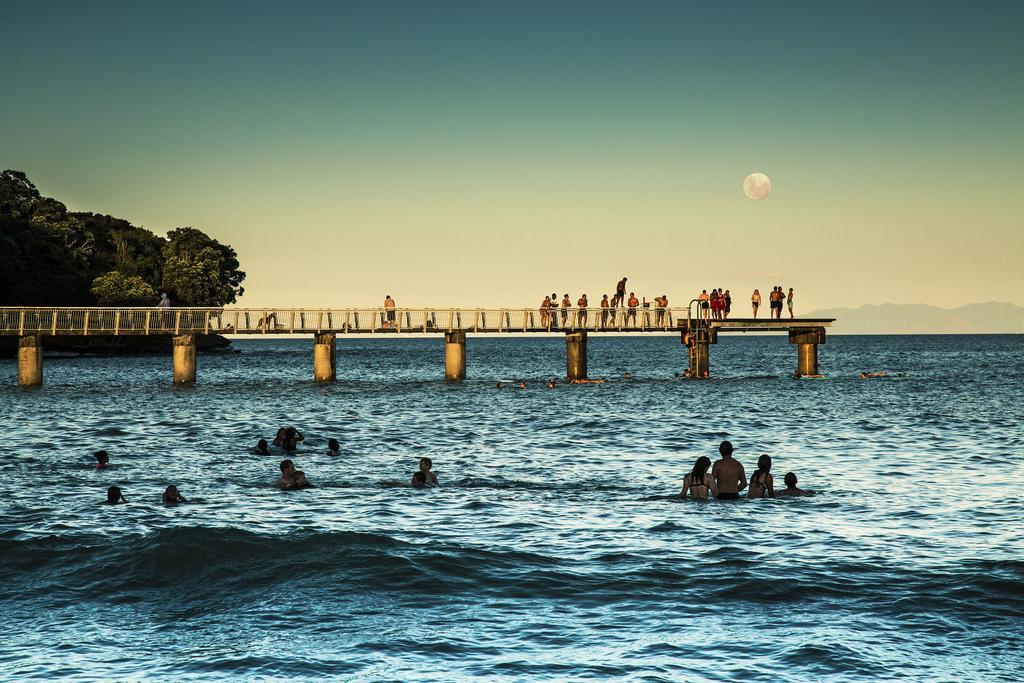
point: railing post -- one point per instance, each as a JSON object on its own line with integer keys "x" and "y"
{"x": 21, "y": 323}
{"x": 85, "y": 324}
{"x": 117, "y": 322}
{"x": 148, "y": 314}
{"x": 177, "y": 321}
{"x": 206, "y": 322}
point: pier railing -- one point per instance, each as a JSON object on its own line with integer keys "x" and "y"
{"x": 178, "y": 321}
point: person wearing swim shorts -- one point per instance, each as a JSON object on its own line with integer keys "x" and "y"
{"x": 728, "y": 474}
{"x": 704, "y": 301}
{"x": 755, "y": 302}
{"x": 632, "y": 303}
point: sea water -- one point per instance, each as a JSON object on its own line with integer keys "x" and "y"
{"x": 556, "y": 547}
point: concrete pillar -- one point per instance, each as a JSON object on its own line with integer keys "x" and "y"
{"x": 576, "y": 355}
{"x": 324, "y": 356}
{"x": 807, "y": 349}
{"x": 184, "y": 351}
{"x": 30, "y": 360}
{"x": 700, "y": 340}
{"x": 455, "y": 356}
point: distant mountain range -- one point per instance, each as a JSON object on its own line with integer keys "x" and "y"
{"x": 988, "y": 318}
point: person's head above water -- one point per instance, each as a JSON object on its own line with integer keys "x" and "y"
{"x": 790, "y": 480}
{"x": 764, "y": 463}
{"x": 500, "y": 385}
{"x": 332, "y": 444}
{"x": 699, "y": 468}
{"x": 287, "y": 467}
{"x": 551, "y": 383}
{"x": 262, "y": 446}
{"x": 522, "y": 385}
{"x": 426, "y": 464}
{"x": 102, "y": 458}
{"x": 114, "y": 496}
{"x": 419, "y": 479}
{"x": 171, "y": 495}
{"x": 725, "y": 448}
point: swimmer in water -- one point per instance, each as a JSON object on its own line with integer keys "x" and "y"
{"x": 761, "y": 483}
{"x": 698, "y": 482}
{"x": 551, "y": 383}
{"x": 587, "y": 381}
{"x": 627, "y": 376}
{"x": 419, "y": 480}
{"x": 291, "y": 478}
{"x": 728, "y": 474}
{"x": 791, "y": 489}
{"x": 872, "y": 375}
{"x": 102, "y": 459}
{"x": 261, "y": 448}
{"x": 425, "y": 465}
{"x": 114, "y": 496}
{"x": 280, "y": 437}
{"x": 333, "y": 447}
{"x": 171, "y": 496}
{"x": 292, "y": 437}
{"x": 522, "y": 385}
{"x": 500, "y": 385}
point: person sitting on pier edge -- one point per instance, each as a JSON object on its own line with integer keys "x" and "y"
{"x": 171, "y": 496}
{"x": 425, "y": 465}
{"x": 791, "y": 489}
{"x": 728, "y": 474}
{"x": 102, "y": 459}
{"x": 291, "y": 478}
{"x": 292, "y": 437}
{"x": 698, "y": 482}
{"x": 262, "y": 448}
{"x": 114, "y": 496}
{"x": 761, "y": 483}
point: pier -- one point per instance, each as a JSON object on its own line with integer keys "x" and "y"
{"x": 698, "y": 334}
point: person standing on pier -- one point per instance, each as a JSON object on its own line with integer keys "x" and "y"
{"x": 620, "y": 290}
{"x": 581, "y": 320}
{"x": 789, "y": 303}
{"x": 604, "y": 311}
{"x": 728, "y": 474}
{"x": 566, "y": 305}
{"x": 553, "y": 309}
{"x": 703, "y": 300}
{"x": 545, "y": 312}
{"x": 389, "y": 308}
{"x": 755, "y": 302}
{"x": 727, "y": 298}
{"x": 632, "y": 304}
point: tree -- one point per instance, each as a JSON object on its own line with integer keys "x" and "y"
{"x": 199, "y": 270}
{"x": 117, "y": 289}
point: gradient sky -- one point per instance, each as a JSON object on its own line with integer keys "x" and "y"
{"x": 484, "y": 154}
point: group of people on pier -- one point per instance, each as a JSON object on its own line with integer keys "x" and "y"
{"x": 723, "y": 480}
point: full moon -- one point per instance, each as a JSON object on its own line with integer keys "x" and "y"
{"x": 757, "y": 186}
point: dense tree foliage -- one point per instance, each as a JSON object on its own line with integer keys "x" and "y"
{"x": 52, "y": 257}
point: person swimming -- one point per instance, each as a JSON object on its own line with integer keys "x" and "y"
{"x": 292, "y": 437}
{"x": 291, "y": 478}
{"x": 627, "y": 376}
{"x": 522, "y": 384}
{"x": 587, "y": 381}
{"x": 872, "y": 375}
{"x": 262, "y": 448}
{"x": 501, "y": 385}
{"x": 279, "y": 438}
{"x": 698, "y": 482}
{"x": 425, "y": 465}
{"x": 419, "y": 480}
{"x": 761, "y": 483}
{"x": 171, "y": 496}
{"x": 102, "y": 459}
{"x": 551, "y": 383}
{"x": 333, "y": 447}
{"x": 114, "y": 496}
{"x": 791, "y": 488}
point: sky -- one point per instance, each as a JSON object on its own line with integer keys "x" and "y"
{"x": 485, "y": 153}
